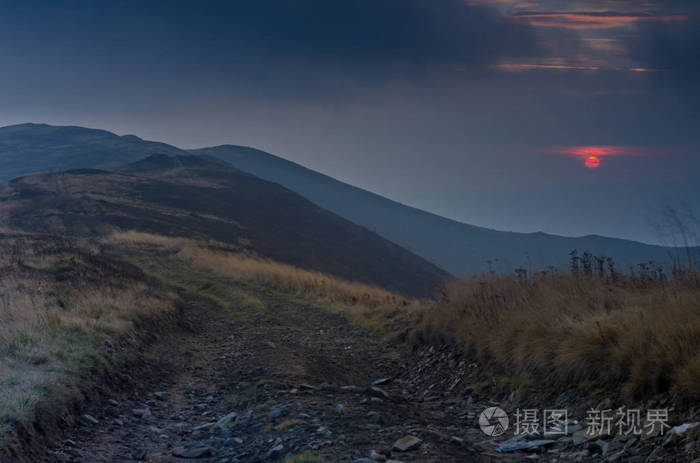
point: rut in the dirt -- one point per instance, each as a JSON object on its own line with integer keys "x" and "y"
{"x": 243, "y": 385}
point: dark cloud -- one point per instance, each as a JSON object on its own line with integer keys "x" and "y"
{"x": 298, "y": 49}
{"x": 672, "y": 52}
{"x": 421, "y": 32}
{"x": 671, "y": 48}
{"x": 379, "y": 31}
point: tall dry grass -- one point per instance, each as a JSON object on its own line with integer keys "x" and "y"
{"x": 567, "y": 330}
{"x": 61, "y": 303}
{"x": 370, "y": 305}
{"x": 236, "y": 264}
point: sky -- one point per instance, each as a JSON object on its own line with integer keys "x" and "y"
{"x": 484, "y": 111}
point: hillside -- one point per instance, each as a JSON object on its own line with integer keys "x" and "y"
{"x": 457, "y": 247}
{"x": 189, "y": 196}
{"x": 454, "y": 246}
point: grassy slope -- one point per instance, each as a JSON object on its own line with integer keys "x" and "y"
{"x": 189, "y": 197}
{"x": 64, "y": 307}
{"x": 224, "y": 276}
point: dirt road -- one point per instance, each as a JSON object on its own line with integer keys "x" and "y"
{"x": 245, "y": 385}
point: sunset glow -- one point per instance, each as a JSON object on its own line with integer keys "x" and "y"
{"x": 600, "y": 150}
{"x": 592, "y": 162}
{"x": 592, "y": 155}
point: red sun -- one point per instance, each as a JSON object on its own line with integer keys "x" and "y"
{"x": 592, "y": 162}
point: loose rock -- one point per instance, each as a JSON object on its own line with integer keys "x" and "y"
{"x": 407, "y": 443}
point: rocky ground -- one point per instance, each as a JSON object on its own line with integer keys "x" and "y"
{"x": 293, "y": 383}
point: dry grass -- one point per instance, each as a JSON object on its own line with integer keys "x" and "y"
{"x": 369, "y": 305}
{"x": 61, "y": 304}
{"x": 572, "y": 331}
{"x": 555, "y": 330}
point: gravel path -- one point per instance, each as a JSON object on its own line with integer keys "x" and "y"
{"x": 242, "y": 385}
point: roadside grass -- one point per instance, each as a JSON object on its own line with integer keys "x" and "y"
{"x": 555, "y": 330}
{"x": 63, "y": 307}
{"x": 576, "y": 331}
{"x": 230, "y": 275}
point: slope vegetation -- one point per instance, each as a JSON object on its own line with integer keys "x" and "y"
{"x": 189, "y": 196}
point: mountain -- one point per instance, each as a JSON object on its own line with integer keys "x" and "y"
{"x": 192, "y": 197}
{"x": 28, "y": 148}
{"x": 457, "y": 247}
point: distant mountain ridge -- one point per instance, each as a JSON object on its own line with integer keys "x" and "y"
{"x": 29, "y": 148}
{"x": 456, "y": 247}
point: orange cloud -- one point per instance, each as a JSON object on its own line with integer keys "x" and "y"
{"x": 600, "y": 150}
{"x": 519, "y": 67}
{"x": 589, "y": 20}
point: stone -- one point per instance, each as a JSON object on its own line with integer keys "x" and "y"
{"x": 69, "y": 443}
{"x": 381, "y": 381}
{"x": 376, "y": 456}
{"x": 579, "y": 456}
{"x": 339, "y": 409}
{"x": 407, "y": 443}
{"x": 113, "y": 403}
{"x": 193, "y": 452}
{"x": 231, "y": 441}
{"x": 139, "y": 454}
{"x": 378, "y": 392}
{"x": 604, "y": 404}
{"x": 88, "y": 420}
{"x": 226, "y": 420}
{"x": 683, "y": 428}
{"x": 204, "y": 426}
{"x": 275, "y": 452}
{"x": 606, "y": 447}
{"x": 161, "y": 395}
{"x": 582, "y": 436}
{"x": 274, "y": 413}
{"x": 111, "y": 411}
{"x": 143, "y": 413}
